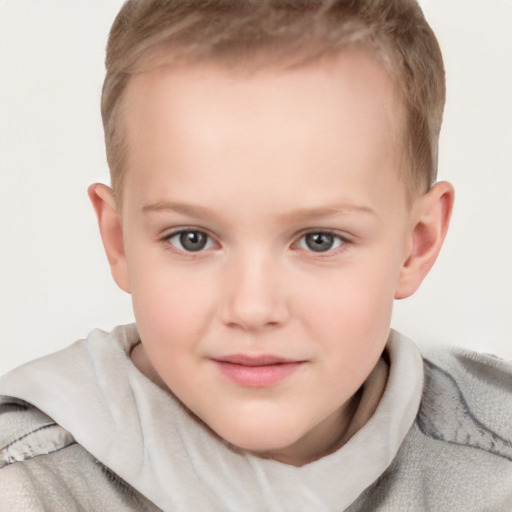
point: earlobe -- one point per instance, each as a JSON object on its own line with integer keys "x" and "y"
{"x": 111, "y": 230}
{"x": 431, "y": 219}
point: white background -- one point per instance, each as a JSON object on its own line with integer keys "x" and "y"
{"x": 55, "y": 285}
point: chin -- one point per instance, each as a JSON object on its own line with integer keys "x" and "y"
{"x": 260, "y": 439}
{"x": 266, "y": 443}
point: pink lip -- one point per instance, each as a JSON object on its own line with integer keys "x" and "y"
{"x": 256, "y": 372}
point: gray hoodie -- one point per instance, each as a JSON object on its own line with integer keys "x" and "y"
{"x": 84, "y": 430}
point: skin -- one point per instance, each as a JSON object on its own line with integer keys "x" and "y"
{"x": 256, "y": 161}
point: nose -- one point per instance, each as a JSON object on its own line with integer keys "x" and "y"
{"x": 254, "y": 295}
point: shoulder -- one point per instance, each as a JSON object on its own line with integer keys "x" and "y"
{"x": 467, "y": 400}
{"x": 462, "y": 440}
{"x": 43, "y": 468}
{"x": 26, "y": 432}
{"x": 458, "y": 453}
{"x": 470, "y": 367}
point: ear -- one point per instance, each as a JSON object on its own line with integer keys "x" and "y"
{"x": 430, "y": 220}
{"x": 111, "y": 229}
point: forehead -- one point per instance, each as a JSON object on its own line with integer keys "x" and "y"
{"x": 339, "y": 115}
{"x": 341, "y": 78}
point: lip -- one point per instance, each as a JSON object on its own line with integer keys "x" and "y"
{"x": 256, "y": 372}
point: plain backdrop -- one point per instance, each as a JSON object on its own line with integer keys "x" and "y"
{"x": 55, "y": 285}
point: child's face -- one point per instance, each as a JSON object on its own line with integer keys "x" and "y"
{"x": 265, "y": 227}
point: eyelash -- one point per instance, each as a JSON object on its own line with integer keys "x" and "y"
{"x": 341, "y": 240}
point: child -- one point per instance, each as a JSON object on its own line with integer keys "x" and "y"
{"x": 273, "y": 191}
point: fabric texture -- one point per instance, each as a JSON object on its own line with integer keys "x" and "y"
{"x": 83, "y": 429}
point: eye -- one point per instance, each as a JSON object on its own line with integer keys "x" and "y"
{"x": 320, "y": 241}
{"x": 190, "y": 240}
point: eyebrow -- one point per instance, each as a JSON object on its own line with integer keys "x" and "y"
{"x": 184, "y": 208}
{"x": 301, "y": 214}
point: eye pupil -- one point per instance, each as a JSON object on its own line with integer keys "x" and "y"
{"x": 319, "y": 242}
{"x": 193, "y": 240}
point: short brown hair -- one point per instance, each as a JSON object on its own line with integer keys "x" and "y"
{"x": 262, "y": 32}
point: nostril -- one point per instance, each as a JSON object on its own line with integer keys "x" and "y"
{"x": 252, "y": 317}
{"x": 252, "y": 324}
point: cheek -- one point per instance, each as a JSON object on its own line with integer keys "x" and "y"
{"x": 170, "y": 303}
{"x": 355, "y": 318}
{"x": 352, "y": 305}
{"x": 173, "y": 314}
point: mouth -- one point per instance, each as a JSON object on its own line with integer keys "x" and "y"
{"x": 256, "y": 372}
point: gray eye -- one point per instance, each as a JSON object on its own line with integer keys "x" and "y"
{"x": 193, "y": 240}
{"x": 190, "y": 241}
{"x": 320, "y": 242}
